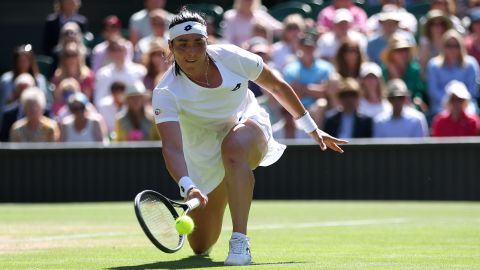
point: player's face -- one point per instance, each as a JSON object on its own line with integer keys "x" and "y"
{"x": 189, "y": 51}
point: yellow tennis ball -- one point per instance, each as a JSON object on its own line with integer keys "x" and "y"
{"x": 184, "y": 225}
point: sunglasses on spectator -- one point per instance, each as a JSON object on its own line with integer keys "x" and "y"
{"x": 76, "y": 107}
{"x": 70, "y": 55}
{"x": 452, "y": 45}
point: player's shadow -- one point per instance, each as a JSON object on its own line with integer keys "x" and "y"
{"x": 187, "y": 263}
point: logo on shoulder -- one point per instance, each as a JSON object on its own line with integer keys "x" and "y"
{"x": 188, "y": 28}
{"x": 157, "y": 111}
{"x": 237, "y": 87}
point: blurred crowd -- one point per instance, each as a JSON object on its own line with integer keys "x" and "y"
{"x": 390, "y": 74}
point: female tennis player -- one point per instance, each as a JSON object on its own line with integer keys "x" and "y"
{"x": 214, "y": 133}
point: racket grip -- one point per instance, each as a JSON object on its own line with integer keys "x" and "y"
{"x": 193, "y": 203}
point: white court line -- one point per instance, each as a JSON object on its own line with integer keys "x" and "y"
{"x": 341, "y": 223}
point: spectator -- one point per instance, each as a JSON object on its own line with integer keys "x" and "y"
{"x": 348, "y": 59}
{"x": 284, "y": 51}
{"x": 436, "y": 24}
{"x": 81, "y": 126}
{"x": 453, "y": 63}
{"x": 402, "y": 120}
{"x": 329, "y": 42}
{"x": 62, "y": 92}
{"x": 112, "y": 27}
{"x": 136, "y": 122}
{"x": 454, "y": 121}
{"x": 472, "y": 41}
{"x": 408, "y": 22}
{"x": 345, "y": 121}
{"x": 325, "y": 20}
{"x": 449, "y": 8}
{"x": 70, "y": 33}
{"x": 244, "y": 15}
{"x": 379, "y": 41}
{"x": 34, "y": 127}
{"x": 156, "y": 61}
{"x": 158, "y": 21}
{"x": 13, "y": 110}
{"x": 111, "y": 105}
{"x": 373, "y": 100}
{"x": 65, "y": 11}
{"x": 399, "y": 62}
{"x": 72, "y": 65}
{"x": 24, "y": 61}
{"x": 121, "y": 69}
{"x": 139, "y": 24}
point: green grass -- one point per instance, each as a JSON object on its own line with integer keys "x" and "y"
{"x": 302, "y": 235}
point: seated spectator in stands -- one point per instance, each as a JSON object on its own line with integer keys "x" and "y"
{"x": 112, "y": 104}
{"x": 431, "y": 33}
{"x": 159, "y": 24}
{"x": 81, "y": 126}
{"x": 214, "y": 31}
{"x": 34, "y": 127}
{"x": 348, "y": 59}
{"x": 399, "y": 62}
{"x": 72, "y": 65}
{"x": 244, "y": 15}
{"x": 379, "y": 40}
{"x": 408, "y": 22}
{"x": 13, "y": 111}
{"x": 328, "y": 43}
{"x": 156, "y": 61}
{"x": 454, "y": 121}
{"x": 112, "y": 30}
{"x": 472, "y": 41}
{"x": 453, "y": 63}
{"x": 325, "y": 20}
{"x": 139, "y": 23}
{"x": 24, "y": 61}
{"x": 285, "y": 50}
{"x": 121, "y": 69}
{"x": 70, "y": 33}
{"x": 65, "y": 11}
{"x": 62, "y": 92}
{"x": 136, "y": 123}
{"x": 402, "y": 120}
{"x": 373, "y": 100}
{"x": 345, "y": 121}
{"x": 448, "y": 7}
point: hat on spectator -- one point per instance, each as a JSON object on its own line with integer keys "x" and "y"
{"x": 458, "y": 89}
{"x": 435, "y": 14}
{"x": 112, "y": 21}
{"x": 370, "y": 68}
{"x": 397, "y": 88}
{"x": 397, "y": 41}
{"x": 389, "y": 13}
{"x": 342, "y": 15}
{"x": 260, "y": 48}
{"x": 136, "y": 88}
{"x": 156, "y": 45}
{"x": 78, "y": 97}
{"x": 347, "y": 87}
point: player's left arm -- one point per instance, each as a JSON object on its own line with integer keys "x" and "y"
{"x": 287, "y": 97}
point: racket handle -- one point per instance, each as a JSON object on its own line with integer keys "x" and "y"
{"x": 193, "y": 203}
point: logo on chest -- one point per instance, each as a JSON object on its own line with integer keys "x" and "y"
{"x": 237, "y": 87}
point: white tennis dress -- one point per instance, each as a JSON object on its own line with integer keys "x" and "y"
{"x": 206, "y": 115}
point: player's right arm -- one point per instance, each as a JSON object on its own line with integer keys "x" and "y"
{"x": 172, "y": 150}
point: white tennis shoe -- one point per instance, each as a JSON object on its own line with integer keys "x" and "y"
{"x": 239, "y": 253}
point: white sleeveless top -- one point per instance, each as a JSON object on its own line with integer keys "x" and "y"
{"x": 85, "y": 135}
{"x": 206, "y": 115}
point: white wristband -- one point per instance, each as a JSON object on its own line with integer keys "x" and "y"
{"x": 306, "y": 123}
{"x": 185, "y": 183}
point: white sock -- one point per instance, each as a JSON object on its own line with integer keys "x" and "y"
{"x": 239, "y": 235}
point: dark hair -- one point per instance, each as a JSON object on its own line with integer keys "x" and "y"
{"x": 117, "y": 86}
{"x": 185, "y": 15}
{"x": 25, "y": 49}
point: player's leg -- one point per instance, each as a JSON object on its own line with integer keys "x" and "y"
{"x": 208, "y": 221}
{"x": 242, "y": 151}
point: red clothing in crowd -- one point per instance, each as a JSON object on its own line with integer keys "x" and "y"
{"x": 443, "y": 125}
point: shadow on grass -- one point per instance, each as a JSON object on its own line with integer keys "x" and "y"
{"x": 187, "y": 263}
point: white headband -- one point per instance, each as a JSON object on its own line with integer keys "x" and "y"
{"x": 189, "y": 27}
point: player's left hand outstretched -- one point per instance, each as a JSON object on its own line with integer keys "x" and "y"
{"x": 325, "y": 141}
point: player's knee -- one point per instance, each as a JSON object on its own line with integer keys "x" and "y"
{"x": 232, "y": 152}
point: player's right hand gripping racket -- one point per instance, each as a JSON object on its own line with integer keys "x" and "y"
{"x": 157, "y": 214}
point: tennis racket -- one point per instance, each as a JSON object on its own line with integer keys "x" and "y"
{"x": 157, "y": 214}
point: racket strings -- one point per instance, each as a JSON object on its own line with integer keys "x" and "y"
{"x": 159, "y": 221}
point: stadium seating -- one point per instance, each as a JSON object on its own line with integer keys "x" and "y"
{"x": 45, "y": 63}
{"x": 280, "y": 11}
{"x": 316, "y": 5}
